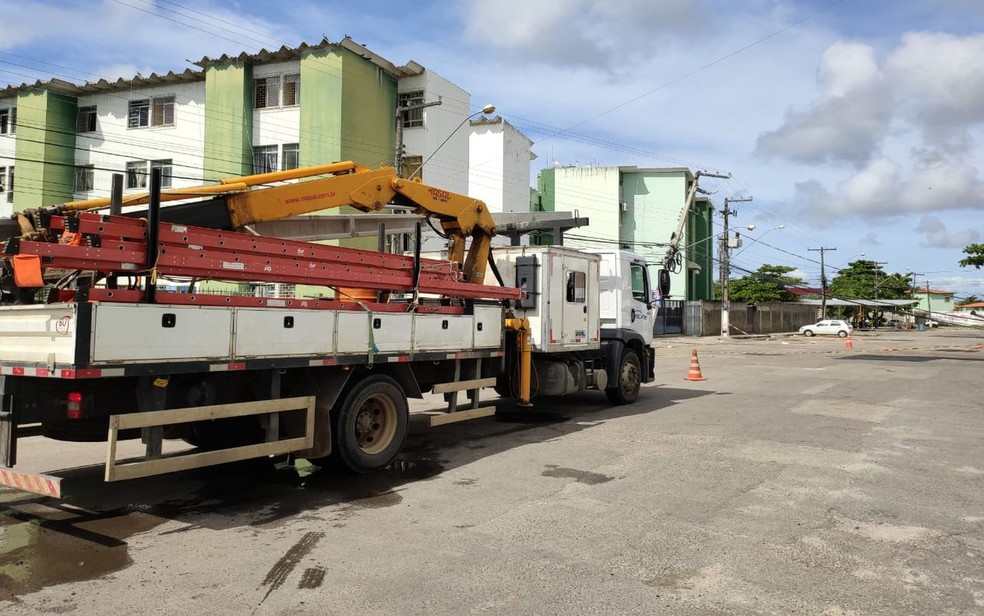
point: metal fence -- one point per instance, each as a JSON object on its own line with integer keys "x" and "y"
{"x": 669, "y": 319}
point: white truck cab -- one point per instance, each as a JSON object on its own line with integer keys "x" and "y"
{"x": 626, "y": 293}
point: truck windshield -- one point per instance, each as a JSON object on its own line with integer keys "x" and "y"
{"x": 640, "y": 283}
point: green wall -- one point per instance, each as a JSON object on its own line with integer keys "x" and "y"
{"x": 546, "y": 194}
{"x": 45, "y": 149}
{"x": 348, "y": 109}
{"x": 228, "y": 147}
{"x": 699, "y": 229}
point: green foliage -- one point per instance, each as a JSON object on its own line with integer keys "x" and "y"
{"x": 975, "y": 256}
{"x": 768, "y": 284}
{"x": 866, "y": 280}
{"x": 970, "y": 299}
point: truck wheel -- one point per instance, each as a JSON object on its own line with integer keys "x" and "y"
{"x": 625, "y": 390}
{"x": 370, "y": 425}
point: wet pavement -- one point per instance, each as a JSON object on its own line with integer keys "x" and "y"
{"x": 756, "y": 491}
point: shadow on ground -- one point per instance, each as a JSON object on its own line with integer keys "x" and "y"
{"x": 84, "y": 535}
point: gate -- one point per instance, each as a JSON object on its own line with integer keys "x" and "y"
{"x": 669, "y": 320}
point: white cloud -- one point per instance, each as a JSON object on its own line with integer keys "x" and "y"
{"x": 940, "y": 77}
{"x": 594, "y": 33}
{"x": 160, "y": 37}
{"x": 936, "y": 235}
{"x": 847, "y": 123}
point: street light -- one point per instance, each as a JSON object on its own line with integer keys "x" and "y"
{"x": 756, "y": 239}
{"x": 486, "y": 110}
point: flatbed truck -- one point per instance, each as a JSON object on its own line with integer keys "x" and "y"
{"x": 102, "y": 354}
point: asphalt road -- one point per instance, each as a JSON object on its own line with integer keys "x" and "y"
{"x": 799, "y": 478}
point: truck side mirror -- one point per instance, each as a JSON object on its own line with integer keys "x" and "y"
{"x": 663, "y": 282}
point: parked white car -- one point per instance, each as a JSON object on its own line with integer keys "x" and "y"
{"x": 832, "y": 327}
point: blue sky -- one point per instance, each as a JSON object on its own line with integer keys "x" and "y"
{"x": 855, "y": 124}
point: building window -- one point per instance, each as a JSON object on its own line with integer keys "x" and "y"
{"x": 411, "y": 166}
{"x": 166, "y": 171}
{"x": 136, "y": 174}
{"x": 291, "y": 156}
{"x": 163, "y": 111}
{"x": 267, "y": 92}
{"x": 265, "y": 159}
{"x": 139, "y": 113}
{"x": 412, "y": 118}
{"x": 86, "y": 122}
{"x": 292, "y": 89}
{"x": 8, "y": 121}
{"x": 158, "y": 111}
{"x": 84, "y": 176}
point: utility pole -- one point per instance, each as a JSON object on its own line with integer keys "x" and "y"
{"x": 915, "y": 288}
{"x": 726, "y": 267}
{"x": 877, "y": 263}
{"x": 929, "y": 305}
{"x": 823, "y": 280}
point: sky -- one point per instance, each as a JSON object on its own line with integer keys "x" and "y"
{"x": 856, "y": 125}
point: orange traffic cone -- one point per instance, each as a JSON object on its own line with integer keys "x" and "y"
{"x": 694, "y": 374}
{"x": 849, "y": 345}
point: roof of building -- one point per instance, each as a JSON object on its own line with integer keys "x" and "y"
{"x": 263, "y": 56}
{"x": 970, "y": 306}
{"x": 804, "y": 291}
{"x": 933, "y": 292}
{"x": 634, "y": 169}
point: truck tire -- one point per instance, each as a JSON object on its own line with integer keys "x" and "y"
{"x": 370, "y": 424}
{"x": 628, "y": 379}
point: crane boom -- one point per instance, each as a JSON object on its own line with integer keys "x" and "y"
{"x": 240, "y": 201}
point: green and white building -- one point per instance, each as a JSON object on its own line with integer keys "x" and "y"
{"x": 636, "y": 209}
{"x": 232, "y": 116}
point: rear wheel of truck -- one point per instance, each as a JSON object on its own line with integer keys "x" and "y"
{"x": 628, "y": 379}
{"x": 370, "y": 425}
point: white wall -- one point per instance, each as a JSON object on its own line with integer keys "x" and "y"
{"x": 277, "y": 125}
{"x": 8, "y": 144}
{"x": 448, "y": 169}
{"x": 112, "y": 144}
{"x": 516, "y": 158}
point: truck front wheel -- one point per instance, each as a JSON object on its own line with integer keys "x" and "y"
{"x": 628, "y": 379}
{"x": 370, "y": 425}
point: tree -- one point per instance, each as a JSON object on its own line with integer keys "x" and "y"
{"x": 866, "y": 280}
{"x": 975, "y": 257}
{"x": 970, "y": 299}
{"x": 769, "y": 283}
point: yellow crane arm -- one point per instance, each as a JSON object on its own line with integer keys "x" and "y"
{"x": 368, "y": 190}
{"x": 249, "y": 199}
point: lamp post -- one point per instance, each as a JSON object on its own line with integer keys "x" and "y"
{"x": 484, "y": 110}
{"x": 756, "y": 239}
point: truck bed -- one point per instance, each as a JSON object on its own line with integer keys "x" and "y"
{"x": 90, "y": 339}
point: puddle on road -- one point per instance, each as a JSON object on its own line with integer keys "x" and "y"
{"x": 44, "y": 542}
{"x": 585, "y": 477}
{"x": 40, "y": 549}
